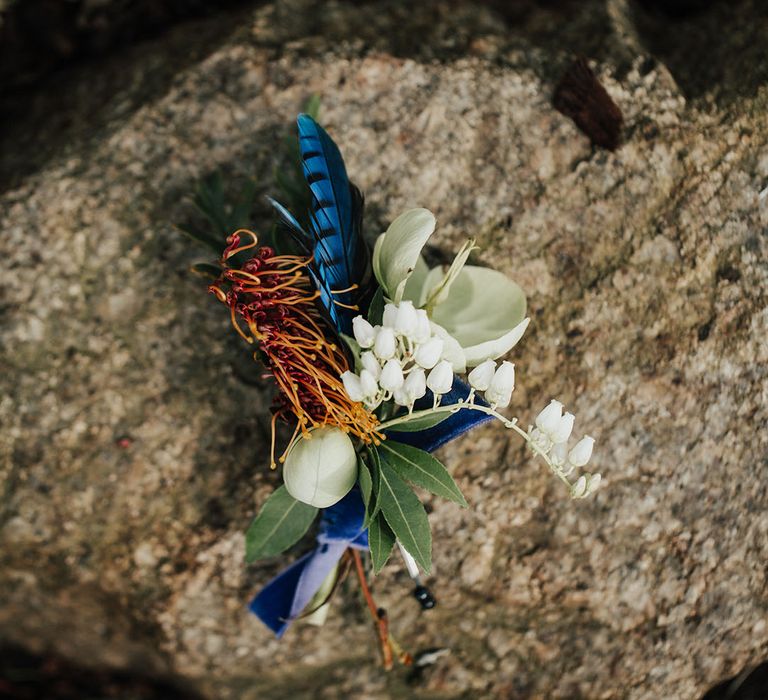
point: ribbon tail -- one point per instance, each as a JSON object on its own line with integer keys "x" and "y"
{"x": 286, "y": 595}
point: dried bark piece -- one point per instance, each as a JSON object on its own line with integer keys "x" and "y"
{"x": 580, "y": 96}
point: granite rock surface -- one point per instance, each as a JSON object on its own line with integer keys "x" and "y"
{"x": 135, "y": 430}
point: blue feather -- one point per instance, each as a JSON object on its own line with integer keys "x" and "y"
{"x": 334, "y": 218}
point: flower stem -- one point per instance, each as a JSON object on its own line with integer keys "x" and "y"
{"x": 489, "y": 411}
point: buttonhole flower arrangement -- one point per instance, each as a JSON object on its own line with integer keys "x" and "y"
{"x": 377, "y": 361}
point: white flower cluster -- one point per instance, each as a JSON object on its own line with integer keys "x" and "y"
{"x": 401, "y": 359}
{"x": 497, "y": 383}
{"x": 550, "y": 438}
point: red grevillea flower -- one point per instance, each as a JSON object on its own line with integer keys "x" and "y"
{"x": 274, "y": 297}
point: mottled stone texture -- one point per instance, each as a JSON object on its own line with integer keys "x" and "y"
{"x": 134, "y": 428}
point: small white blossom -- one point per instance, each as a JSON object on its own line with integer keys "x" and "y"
{"x": 363, "y": 332}
{"x": 440, "y": 378}
{"x": 369, "y": 385}
{"x": 416, "y": 384}
{"x": 400, "y": 397}
{"x": 581, "y": 452}
{"x": 391, "y": 376}
{"x": 549, "y": 419}
{"x": 406, "y": 319}
{"x": 390, "y": 313}
{"x": 353, "y": 386}
{"x": 423, "y": 329}
{"x": 564, "y": 428}
{"x": 369, "y": 362}
{"x": 480, "y": 377}
{"x": 559, "y": 455}
{"x": 499, "y": 393}
{"x": 579, "y": 489}
{"x": 385, "y": 344}
{"x": 593, "y": 483}
{"x": 428, "y": 354}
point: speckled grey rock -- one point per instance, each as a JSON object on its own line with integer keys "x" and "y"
{"x": 134, "y": 454}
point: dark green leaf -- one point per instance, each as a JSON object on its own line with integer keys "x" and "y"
{"x": 381, "y": 539}
{"x": 375, "y": 470}
{"x": 376, "y": 308}
{"x": 366, "y": 485}
{"x": 422, "y": 469}
{"x": 420, "y": 423}
{"x": 280, "y": 523}
{"x": 406, "y": 516}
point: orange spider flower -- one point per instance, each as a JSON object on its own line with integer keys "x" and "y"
{"x": 275, "y": 298}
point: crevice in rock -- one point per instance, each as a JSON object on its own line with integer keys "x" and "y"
{"x": 750, "y": 684}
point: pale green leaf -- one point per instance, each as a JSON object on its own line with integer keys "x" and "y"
{"x": 280, "y": 523}
{"x": 422, "y": 469}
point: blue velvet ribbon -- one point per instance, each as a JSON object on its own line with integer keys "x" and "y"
{"x": 341, "y": 526}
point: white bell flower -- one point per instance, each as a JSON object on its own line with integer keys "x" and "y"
{"x": 353, "y": 386}
{"x": 564, "y": 428}
{"x": 579, "y": 489}
{"x": 423, "y": 330}
{"x": 363, "y": 332}
{"x": 385, "y": 344}
{"x": 581, "y": 452}
{"x": 549, "y": 419}
{"x": 428, "y": 354}
{"x": 391, "y": 377}
{"x": 369, "y": 385}
{"x": 499, "y": 393}
{"x": 559, "y": 455}
{"x": 321, "y": 469}
{"x": 480, "y": 377}
{"x": 406, "y": 320}
{"x": 368, "y": 361}
{"x": 388, "y": 318}
{"x": 593, "y": 483}
{"x": 440, "y": 378}
{"x": 415, "y": 385}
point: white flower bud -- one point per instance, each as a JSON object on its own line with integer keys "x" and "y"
{"x": 428, "y": 354}
{"x": 415, "y": 385}
{"x": 400, "y": 397}
{"x": 391, "y": 376}
{"x": 363, "y": 332}
{"x": 559, "y": 455}
{"x": 321, "y": 469}
{"x": 440, "y": 379}
{"x": 581, "y": 452}
{"x": 579, "y": 489}
{"x": 548, "y": 420}
{"x": 593, "y": 483}
{"x": 369, "y": 362}
{"x": 385, "y": 343}
{"x": 353, "y": 386}
{"x": 480, "y": 377}
{"x": 406, "y": 319}
{"x": 369, "y": 385}
{"x": 423, "y": 330}
{"x": 502, "y": 385}
{"x": 388, "y": 319}
{"x": 564, "y": 428}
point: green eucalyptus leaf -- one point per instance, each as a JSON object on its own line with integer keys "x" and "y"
{"x": 381, "y": 540}
{"x": 421, "y": 469}
{"x": 280, "y": 523}
{"x": 420, "y": 423}
{"x": 366, "y": 485}
{"x": 406, "y": 516}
